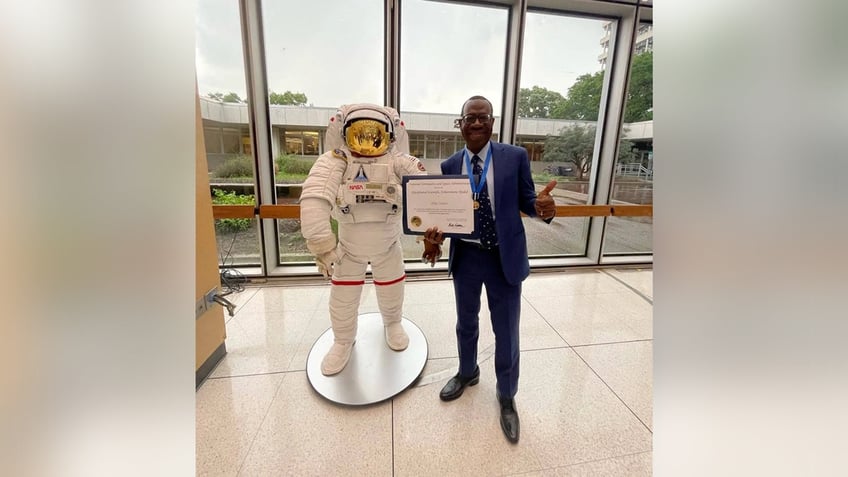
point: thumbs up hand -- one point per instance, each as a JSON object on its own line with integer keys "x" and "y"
{"x": 545, "y": 205}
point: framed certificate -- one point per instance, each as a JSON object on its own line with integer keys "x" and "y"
{"x": 443, "y": 201}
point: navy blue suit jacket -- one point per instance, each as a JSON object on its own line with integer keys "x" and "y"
{"x": 514, "y": 193}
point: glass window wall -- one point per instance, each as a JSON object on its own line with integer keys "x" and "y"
{"x": 564, "y": 77}
{"x": 560, "y": 94}
{"x": 633, "y": 183}
{"x": 222, "y": 87}
{"x": 347, "y": 41}
{"x": 439, "y": 71}
{"x": 451, "y": 51}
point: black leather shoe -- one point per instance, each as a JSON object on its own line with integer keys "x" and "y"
{"x": 453, "y": 389}
{"x": 509, "y": 419}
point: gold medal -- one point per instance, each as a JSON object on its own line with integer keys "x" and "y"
{"x": 476, "y": 205}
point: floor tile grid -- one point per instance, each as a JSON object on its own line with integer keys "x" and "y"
{"x": 627, "y": 369}
{"x": 218, "y": 467}
{"x": 528, "y": 301}
{"x": 485, "y": 354}
{"x": 249, "y": 462}
{"x": 634, "y": 289}
{"x": 542, "y": 289}
{"x": 368, "y": 301}
{"x": 629, "y": 408}
{"x": 251, "y": 296}
{"x": 577, "y": 349}
{"x": 606, "y": 385}
{"x": 318, "y": 437}
{"x": 367, "y": 296}
{"x": 626, "y": 465}
{"x": 582, "y": 358}
{"x": 242, "y": 300}
{"x": 581, "y": 422}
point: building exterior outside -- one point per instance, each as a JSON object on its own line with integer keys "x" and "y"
{"x": 644, "y": 41}
{"x": 299, "y": 131}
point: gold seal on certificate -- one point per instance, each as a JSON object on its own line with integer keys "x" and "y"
{"x": 438, "y": 201}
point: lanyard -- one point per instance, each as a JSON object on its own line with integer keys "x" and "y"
{"x": 476, "y": 188}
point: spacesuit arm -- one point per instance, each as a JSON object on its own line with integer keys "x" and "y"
{"x": 315, "y": 225}
{"x": 316, "y": 203}
{"x": 408, "y": 165}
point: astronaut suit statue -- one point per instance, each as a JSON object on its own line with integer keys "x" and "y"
{"x": 359, "y": 184}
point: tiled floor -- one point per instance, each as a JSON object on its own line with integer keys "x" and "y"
{"x": 585, "y": 395}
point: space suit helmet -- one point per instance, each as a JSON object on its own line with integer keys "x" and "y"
{"x": 368, "y": 132}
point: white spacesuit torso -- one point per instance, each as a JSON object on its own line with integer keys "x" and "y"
{"x": 370, "y": 198}
{"x": 365, "y": 193}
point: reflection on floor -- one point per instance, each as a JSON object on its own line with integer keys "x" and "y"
{"x": 584, "y": 399}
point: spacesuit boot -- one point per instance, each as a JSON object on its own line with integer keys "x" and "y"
{"x": 344, "y": 302}
{"x": 390, "y": 301}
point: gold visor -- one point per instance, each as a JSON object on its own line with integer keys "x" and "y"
{"x": 367, "y": 137}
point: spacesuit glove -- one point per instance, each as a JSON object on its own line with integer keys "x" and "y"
{"x": 325, "y": 261}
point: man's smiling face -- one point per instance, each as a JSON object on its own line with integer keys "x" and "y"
{"x": 477, "y": 131}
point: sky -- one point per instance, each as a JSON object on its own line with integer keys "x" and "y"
{"x": 332, "y": 51}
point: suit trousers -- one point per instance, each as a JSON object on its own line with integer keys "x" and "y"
{"x": 474, "y": 267}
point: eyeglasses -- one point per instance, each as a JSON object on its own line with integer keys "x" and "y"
{"x": 473, "y": 118}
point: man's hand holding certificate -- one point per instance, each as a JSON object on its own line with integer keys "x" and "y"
{"x": 438, "y": 201}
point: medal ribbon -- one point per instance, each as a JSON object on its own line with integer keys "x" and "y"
{"x": 476, "y": 188}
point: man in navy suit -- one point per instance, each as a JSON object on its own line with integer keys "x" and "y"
{"x": 502, "y": 187}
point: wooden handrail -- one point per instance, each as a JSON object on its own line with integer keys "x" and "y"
{"x": 279, "y": 211}
{"x": 632, "y": 210}
{"x": 293, "y": 211}
{"x": 233, "y": 211}
{"x": 582, "y": 210}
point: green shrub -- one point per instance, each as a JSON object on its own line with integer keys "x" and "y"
{"x": 543, "y": 177}
{"x": 221, "y": 197}
{"x": 291, "y": 165}
{"x": 238, "y": 166}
